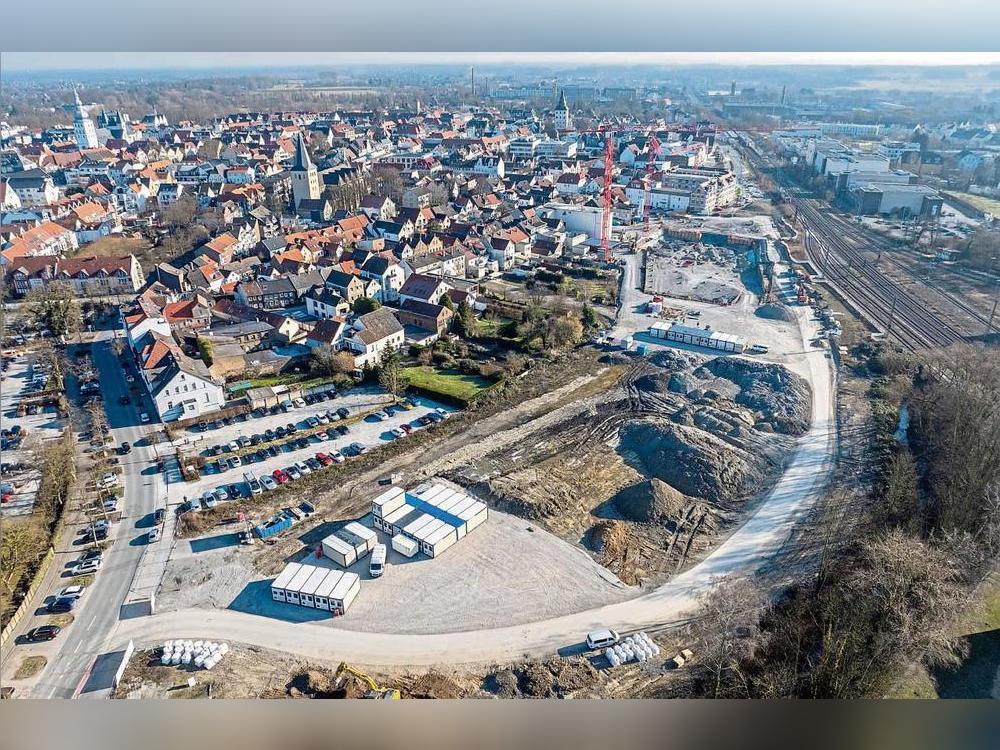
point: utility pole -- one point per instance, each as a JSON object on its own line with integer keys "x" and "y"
{"x": 989, "y": 324}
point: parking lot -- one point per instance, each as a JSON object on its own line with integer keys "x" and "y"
{"x": 267, "y": 455}
{"x": 19, "y": 480}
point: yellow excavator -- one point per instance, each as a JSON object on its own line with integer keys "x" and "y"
{"x": 375, "y": 691}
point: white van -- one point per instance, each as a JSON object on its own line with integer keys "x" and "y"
{"x": 601, "y": 638}
{"x": 376, "y": 565}
{"x": 759, "y": 349}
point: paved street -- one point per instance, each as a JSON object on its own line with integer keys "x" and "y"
{"x": 80, "y": 643}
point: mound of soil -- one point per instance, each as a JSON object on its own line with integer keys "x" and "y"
{"x": 775, "y": 311}
{"x": 554, "y": 678}
{"x": 609, "y": 538}
{"x": 652, "y": 501}
{"x": 782, "y": 398}
{"x": 694, "y": 462}
{"x": 433, "y": 685}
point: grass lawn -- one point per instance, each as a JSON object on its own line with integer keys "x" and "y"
{"x": 990, "y": 205}
{"x": 447, "y": 382}
{"x": 301, "y": 380}
{"x": 116, "y": 244}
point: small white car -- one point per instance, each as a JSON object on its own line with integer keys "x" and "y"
{"x": 109, "y": 479}
{"x": 87, "y": 566}
{"x": 337, "y": 456}
{"x": 303, "y": 467}
{"x": 293, "y": 473}
{"x": 381, "y": 416}
{"x": 144, "y": 417}
{"x": 154, "y": 534}
{"x": 71, "y": 592}
{"x": 268, "y": 483}
{"x": 300, "y": 403}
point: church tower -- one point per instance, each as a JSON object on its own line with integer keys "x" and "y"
{"x": 305, "y": 178}
{"x": 83, "y": 127}
{"x": 560, "y": 115}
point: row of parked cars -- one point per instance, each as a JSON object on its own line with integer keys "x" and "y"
{"x": 295, "y": 443}
{"x": 284, "y": 406}
{"x": 270, "y": 435}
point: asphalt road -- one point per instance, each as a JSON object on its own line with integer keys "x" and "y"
{"x": 81, "y": 642}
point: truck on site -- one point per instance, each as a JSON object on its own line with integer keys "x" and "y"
{"x": 376, "y": 564}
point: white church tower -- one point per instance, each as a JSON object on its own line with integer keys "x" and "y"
{"x": 305, "y": 178}
{"x": 560, "y": 115}
{"x": 83, "y": 127}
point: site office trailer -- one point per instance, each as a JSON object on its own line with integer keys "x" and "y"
{"x": 308, "y": 589}
{"x": 405, "y": 546}
{"x": 296, "y": 583}
{"x": 366, "y": 535}
{"x": 285, "y": 577}
{"x": 336, "y": 592}
{"x": 340, "y": 550}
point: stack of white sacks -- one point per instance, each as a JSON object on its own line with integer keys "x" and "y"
{"x": 638, "y": 647}
{"x": 203, "y": 654}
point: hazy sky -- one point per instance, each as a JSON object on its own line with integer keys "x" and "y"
{"x": 26, "y": 61}
{"x": 434, "y": 27}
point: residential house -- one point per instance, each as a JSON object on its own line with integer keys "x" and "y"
{"x": 423, "y": 288}
{"x": 348, "y": 286}
{"x": 425, "y": 315}
{"x": 325, "y": 304}
{"x": 373, "y": 335}
{"x": 388, "y": 273}
{"x": 93, "y": 276}
{"x": 329, "y": 332}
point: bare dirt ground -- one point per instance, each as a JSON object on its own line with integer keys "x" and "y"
{"x": 693, "y": 271}
{"x": 254, "y": 672}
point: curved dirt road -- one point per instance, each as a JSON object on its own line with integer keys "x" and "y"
{"x": 747, "y": 550}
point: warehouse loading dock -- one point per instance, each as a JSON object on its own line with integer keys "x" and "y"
{"x": 434, "y": 517}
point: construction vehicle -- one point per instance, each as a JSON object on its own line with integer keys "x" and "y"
{"x": 375, "y": 691}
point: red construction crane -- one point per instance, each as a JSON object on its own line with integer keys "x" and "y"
{"x": 608, "y": 132}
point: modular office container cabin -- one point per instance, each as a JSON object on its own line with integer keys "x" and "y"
{"x": 313, "y": 586}
{"x": 347, "y": 545}
{"x": 435, "y": 517}
{"x": 694, "y": 336}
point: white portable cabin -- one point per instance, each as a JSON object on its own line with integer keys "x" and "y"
{"x": 388, "y": 501}
{"x": 368, "y": 536}
{"x": 297, "y": 582}
{"x": 405, "y": 546}
{"x": 284, "y": 578}
{"x": 321, "y": 597}
{"x": 339, "y": 550}
{"x": 344, "y": 593}
{"x": 306, "y": 593}
{"x": 438, "y": 540}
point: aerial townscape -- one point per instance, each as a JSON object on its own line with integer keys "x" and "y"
{"x": 505, "y": 381}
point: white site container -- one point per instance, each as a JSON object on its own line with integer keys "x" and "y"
{"x": 440, "y": 540}
{"x": 413, "y": 528}
{"x": 340, "y": 551}
{"x": 405, "y": 546}
{"x": 344, "y": 593}
{"x": 323, "y": 591}
{"x": 432, "y": 492}
{"x": 393, "y": 519}
{"x": 388, "y": 501}
{"x": 369, "y": 537}
{"x": 284, "y": 578}
{"x": 310, "y": 586}
{"x": 426, "y": 530}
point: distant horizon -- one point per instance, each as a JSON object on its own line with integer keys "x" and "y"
{"x": 88, "y": 62}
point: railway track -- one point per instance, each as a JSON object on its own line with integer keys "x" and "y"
{"x": 967, "y": 312}
{"x": 886, "y": 303}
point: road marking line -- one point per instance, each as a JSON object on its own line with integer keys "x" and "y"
{"x": 91, "y": 622}
{"x": 77, "y": 647}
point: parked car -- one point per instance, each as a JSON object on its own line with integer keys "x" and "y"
{"x": 343, "y": 429}
{"x": 293, "y": 472}
{"x": 291, "y": 428}
{"x": 221, "y": 494}
{"x": 43, "y": 633}
{"x": 425, "y": 420}
{"x": 397, "y": 433}
{"x": 87, "y": 566}
{"x": 343, "y": 412}
{"x": 233, "y": 446}
{"x": 61, "y": 604}
{"x": 337, "y": 457}
{"x": 272, "y": 450}
{"x": 236, "y": 461}
{"x": 303, "y": 467}
{"x": 270, "y": 434}
{"x": 324, "y": 460}
{"x": 312, "y": 421}
{"x": 159, "y": 515}
{"x": 407, "y": 428}
{"x": 381, "y": 416}
{"x": 313, "y": 464}
{"x": 280, "y": 476}
{"x": 71, "y": 592}
{"x": 244, "y": 441}
{"x": 322, "y": 419}
{"x": 109, "y": 480}
{"x": 268, "y": 483}
{"x": 154, "y": 535}
{"x": 144, "y": 417}
{"x": 109, "y": 504}
{"x": 124, "y": 401}
{"x": 125, "y": 448}
{"x": 299, "y": 403}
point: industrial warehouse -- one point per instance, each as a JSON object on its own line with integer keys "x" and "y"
{"x": 705, "y": 337}
{"x": 435, "y": 518}
{"x": 313, "y": 586}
